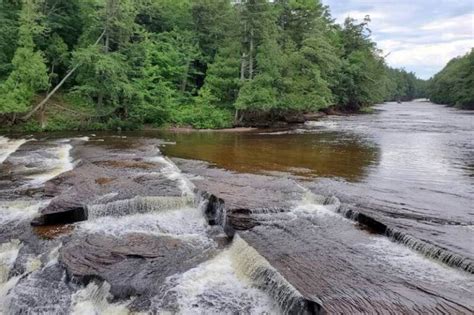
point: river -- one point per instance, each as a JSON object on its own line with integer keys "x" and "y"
{"x": 348, "y": 214}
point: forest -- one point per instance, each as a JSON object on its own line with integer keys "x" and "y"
{"x": 107, "y": 64}
{"x": 454, "y": 85}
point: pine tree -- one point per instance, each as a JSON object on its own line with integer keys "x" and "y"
{"x": 29, "y": 74}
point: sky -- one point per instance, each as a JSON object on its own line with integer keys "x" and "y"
{"x": 420, "y": 35}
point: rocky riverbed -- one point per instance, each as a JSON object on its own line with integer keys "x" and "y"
{"x": 109, "y": 225}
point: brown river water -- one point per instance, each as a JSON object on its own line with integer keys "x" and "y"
{"x": 363, "y": 214}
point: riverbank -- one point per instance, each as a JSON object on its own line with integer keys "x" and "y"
{"x": 65, "y": 114}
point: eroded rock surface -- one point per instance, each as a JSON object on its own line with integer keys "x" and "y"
{"x": 104, "y": 176}
{"x": 134, "y": 264}
{"x": 329, "y": 258}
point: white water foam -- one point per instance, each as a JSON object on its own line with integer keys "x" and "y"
{"x": 431, "y": 251}
{"x": 19, "y": 210}
{"x": 139, "y": 205}
{"x": 215, "y": 287}
{"x": 323, "y": 124}
{"x": 60, "y": 161}
{"x": 8, "y": 254}
{"x": 312, "y": 204}
{"x": 250, "y": 264}
{"x": 85, "y": 139}
{"x": 185, "y": 222}
{"x": 9, "y": 146}
{"x": 418, "y": 266}
{"x": 93, "y": 300}
{"x": 172, "y": 172}
{"x": 4, "y": 290}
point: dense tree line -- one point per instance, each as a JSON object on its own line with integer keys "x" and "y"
{"x": 205, "y": 63}
{"x": 454, "y": 85}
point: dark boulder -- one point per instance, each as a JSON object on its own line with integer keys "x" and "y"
{"x": 62, "y": 211}
{"x": 241, "y": 219}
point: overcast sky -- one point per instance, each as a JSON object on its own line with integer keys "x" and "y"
{"x": 421, "y": 35}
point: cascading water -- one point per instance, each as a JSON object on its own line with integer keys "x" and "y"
{"x": 8, "y": 146}
{"x": 172, "y": 172}
{"x": 94, "y": 299}
{"x": 50, "y": 164}
{"x": 8, "y": 254}
{"x": 214, "y": 287}
{"x": 139, "y": 205}
{"x": 251, "y": 264}
{"x": 161, "y": 247}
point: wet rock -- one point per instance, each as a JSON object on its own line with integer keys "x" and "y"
{"x": 41, "y": 292}
{"x": 135, "y": 264}
{"x": 104, "y": 176}
{"x": 325, "y": 257}
{"x": 215, "y": 210}
{"x": 295, "y": 118}
{"x": 242, "y": 191}
{"x": 62, "y": 211}
{"x": 241, "y": 219}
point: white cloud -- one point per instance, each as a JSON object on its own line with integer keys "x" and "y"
{"x": 462, "y": 24}
{"x": 360, "y": 15}
{"x": 432, "y": 56}
{"x": 421, "y": 36}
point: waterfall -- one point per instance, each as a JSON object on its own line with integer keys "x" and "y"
{"x": 8, "y": 254}
{"x": 432, "y": 251}
{"x": 172, "y": 172}
{"x": 254, "y": 266}
{"x": 139, "y": 205}
{"x": 52, "y": 163}
{"x": 213, "y": 287}
{"x": 13, "y": 212}
{"x": 9, "y": 146}
{"x": 94, "y": 299}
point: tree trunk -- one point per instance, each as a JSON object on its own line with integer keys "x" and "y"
{"x": 236, "y": 117}
{"x": 13, "y": 119}
{"x": 242, "y": 67}
{"x": 251, "y": 55}
{"x": 42, "y": 119}
{"x": 100, "y": 99}
{"x": 107, "y": 43}
{"x": 50, "y": 94}
{"x": 184, "y": 81}
{"x": 57, "y": 87}
{"x": 50, "y": 78}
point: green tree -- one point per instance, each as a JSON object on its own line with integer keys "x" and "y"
{"x": 223, "y": 80}
{"x": 362, "y": 71}
{"x": 454, "y": 84}
{"x": 9, "y": 12}
{"x": 29, "y": 73}
{"x": 261, "y": 93}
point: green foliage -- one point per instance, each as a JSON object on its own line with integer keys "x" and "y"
{"x": 102, "y": 77}
{"x": 201, "y": 116}
{"x": 9, "y": 12}
{"x": 454, "y": 84}
{"x": 303, "y": 88}
{"x": 223, "y": 76}
{"x": 261, "y": 93}
{"x": 29, "y": 73}
{"x": 403, "y": 86}
{"x": 200, "y": 63}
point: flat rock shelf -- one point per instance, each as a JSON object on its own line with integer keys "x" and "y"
{"x": 108, "y": 224}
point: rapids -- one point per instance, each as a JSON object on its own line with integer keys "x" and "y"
{"x": 360, "y": 214}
